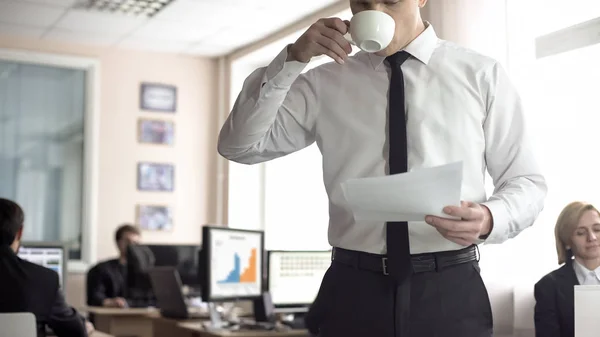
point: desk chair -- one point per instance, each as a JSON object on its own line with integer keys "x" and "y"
{"x": 18, "y": 325}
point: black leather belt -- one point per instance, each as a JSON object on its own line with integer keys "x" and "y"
{"x": 421, "y": 262}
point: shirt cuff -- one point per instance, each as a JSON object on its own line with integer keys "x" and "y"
{"x": 281, "y": 73}
{"x": 500, "y": 220}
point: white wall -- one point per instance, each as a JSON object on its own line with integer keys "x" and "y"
{"x": 119, "y": 151}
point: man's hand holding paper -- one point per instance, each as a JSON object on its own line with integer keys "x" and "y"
{"x": 474, "y": 221}
{"x": 430, "y": 194}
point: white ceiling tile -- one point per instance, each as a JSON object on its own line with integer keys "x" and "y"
{"x": 164, "y": 46}
{"x": 212, "y": 14}
{"x": 18, "y": 30}
{"x": 237, "y": 37}
{"x": 197, "y": 27}
{"x": 251, "y": 3}
{"x": 172, "y": 30}
{"x": 96, "y": 22}
{"x": 57, "y": 3}
{"x": 207, "y": 50}
{"x": 82, "y": 37}
{"x": 263, "y": 22}
{"x": 29, "y": 14}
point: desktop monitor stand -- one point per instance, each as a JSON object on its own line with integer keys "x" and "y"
{"x": 215, "y": 317}
{"x": 218, "y": 323}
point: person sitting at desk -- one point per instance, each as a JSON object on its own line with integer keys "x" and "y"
{"x": 577, "y": 232}
{"x": 28, "y": 287}
{"x": 106, "y": 282}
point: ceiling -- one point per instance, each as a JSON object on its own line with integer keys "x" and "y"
{"x": 262, "y": 56}
{"x": 196, "y": 27}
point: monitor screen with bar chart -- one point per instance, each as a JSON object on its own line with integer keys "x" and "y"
{"x": 233, "y": 262}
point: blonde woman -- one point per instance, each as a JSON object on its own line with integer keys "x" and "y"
{"x": 577, "y": 234}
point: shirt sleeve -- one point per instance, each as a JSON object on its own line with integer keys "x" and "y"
{"x": 273, "y": 115}
{"x": 520, "y": 188}
{"x": 64, "y": 320}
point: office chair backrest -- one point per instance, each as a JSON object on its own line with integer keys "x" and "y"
{"x": 140, "y": 258}
{"x": 18, "y": 325}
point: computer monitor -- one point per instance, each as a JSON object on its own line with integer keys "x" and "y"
{"x": 294, "y": 277}
{"x": 231, "y": 264}
{"x": 183, "y": 257}
{"x": 52, "y": 255}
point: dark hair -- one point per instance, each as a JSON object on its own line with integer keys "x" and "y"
{"x": 125, "y": 229}
{"x": 11, "y": 221}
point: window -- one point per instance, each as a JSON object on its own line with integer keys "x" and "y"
{"x": 47, "y": 147}
{"x": 296, "y": 203}
{"x": 286, "y": 196}
{"x": 562, "y": 111}
{"x": 41, "y": 149}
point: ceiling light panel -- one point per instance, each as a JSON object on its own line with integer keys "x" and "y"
{"x": 146, "y": 8}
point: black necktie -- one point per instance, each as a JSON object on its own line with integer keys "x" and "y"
{"x": 398, "y": 250}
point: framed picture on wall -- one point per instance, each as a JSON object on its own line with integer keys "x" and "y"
{"x": 154, "y": 217}
{"x": 158, "y": 97}
{"x": 153, "y": 131}
{"x": 155, "y": 177}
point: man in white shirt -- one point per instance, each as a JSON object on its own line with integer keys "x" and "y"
{"x": 396, "y": 279}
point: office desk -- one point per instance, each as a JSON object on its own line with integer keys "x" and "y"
{"x": 166, "y": 327}
{"x": 99, "y": 334}
{"x": 95, "y": 333}
{"x": 129, "y": 322}
{"x": 196, "y": 330}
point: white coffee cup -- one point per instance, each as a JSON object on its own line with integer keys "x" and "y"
{"x": 371, "y": 30}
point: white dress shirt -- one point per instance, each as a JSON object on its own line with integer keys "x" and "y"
{"x": 586, "y": 276}
{"x": 460, "y": 107}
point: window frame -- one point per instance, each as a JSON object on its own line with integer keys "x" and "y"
{"x": 91, "y": 66}
{"x": 238, "y": 66}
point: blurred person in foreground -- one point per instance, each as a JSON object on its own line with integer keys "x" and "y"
{"x": 28, "y": 287}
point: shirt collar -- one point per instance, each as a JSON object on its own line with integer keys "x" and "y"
{"x": 420, "y": 48}
{"x": 582, "y": 272}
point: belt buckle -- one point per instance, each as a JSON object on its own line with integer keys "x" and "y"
{"x": 384, "y": 265}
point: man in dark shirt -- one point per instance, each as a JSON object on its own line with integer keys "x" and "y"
{"x": 28, "y": 287}
{"x": 106, "y": 282}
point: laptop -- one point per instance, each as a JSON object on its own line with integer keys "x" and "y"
{"x": 166, "y": 285}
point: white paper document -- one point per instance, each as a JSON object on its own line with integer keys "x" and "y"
{"x": 587, "y": 307}
{"x": 407, "y": 196}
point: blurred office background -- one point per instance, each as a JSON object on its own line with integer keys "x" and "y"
{"x": 69, "y": 114}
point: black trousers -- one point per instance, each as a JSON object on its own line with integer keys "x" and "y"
{"x": 452, "y": 302}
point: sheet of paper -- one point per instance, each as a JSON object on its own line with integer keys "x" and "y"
{"x": 407, "y": 196}
{"x": 587, "y": 306}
